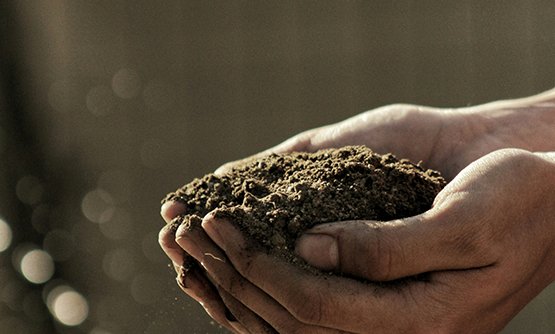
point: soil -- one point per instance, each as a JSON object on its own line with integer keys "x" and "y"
{"x": 274, "y": 199}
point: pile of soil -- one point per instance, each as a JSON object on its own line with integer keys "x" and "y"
{"x": 275, "y": 198}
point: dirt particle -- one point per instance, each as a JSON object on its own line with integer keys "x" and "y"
{"x": 275, "y": 198}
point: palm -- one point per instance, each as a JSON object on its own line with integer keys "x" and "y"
{"x": 430, "y": 135}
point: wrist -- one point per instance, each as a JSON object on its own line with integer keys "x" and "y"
{"x": 550, "y": 157}
{"x": 527, "y": 123}
{"x": 548, "y": 194}
{"x": 535, "y": 190}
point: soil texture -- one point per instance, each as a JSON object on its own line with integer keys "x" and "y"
{"x": 274, "y": 199}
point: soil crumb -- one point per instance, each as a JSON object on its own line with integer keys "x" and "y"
{"x": 275, "y": 198}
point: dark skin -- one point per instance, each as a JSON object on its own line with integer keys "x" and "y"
{"x": 485, "y": 250}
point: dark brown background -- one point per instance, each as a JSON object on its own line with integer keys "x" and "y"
{"x": 137, "y": 97}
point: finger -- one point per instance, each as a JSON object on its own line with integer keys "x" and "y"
{"x": 456, "y": 234}
{"x": 325, "y": 301}
{"x": 385, "y": 251}
{"x": 243, "y": 316}
{"x": 195, "y": 284}
{"x": 171, "y": 209}
{"x": 189, "y": 277}
{"x": 199, "y": 245}
{"x": 210, "y": 256}
{"x": 166, "y": 239}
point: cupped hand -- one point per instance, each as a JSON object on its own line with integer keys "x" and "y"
{"x": 485, "y": 250}
{"x": 444, "y": 139}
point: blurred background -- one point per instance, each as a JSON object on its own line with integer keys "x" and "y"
{"x": 105, "y": 106}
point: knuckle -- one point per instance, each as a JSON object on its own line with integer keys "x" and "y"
{"x": 233, "y": 285}
{"x": 381, "y": 256}
{"x": 509, "y": 162}
{"x": 307, "y": 313}
{"x": 465, "y": 242}
{"x": 404, "y": 109}
{"x": 474, "y": 242}
{"x": 304, "y": 140}
{"x": 308, "y": 305}
{"x": 244, "y": 262}
{"x": 477, "y": 243}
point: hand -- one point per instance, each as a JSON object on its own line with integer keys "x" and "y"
{"x": 444, "y": 139}
{"x": 486, "y": 247}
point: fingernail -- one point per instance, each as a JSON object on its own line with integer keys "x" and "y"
{"x": 170, "y": 209}
{"x": 180, "y": 279}
{"x": 319, "y": 250}
{"x": 182, "y": 275}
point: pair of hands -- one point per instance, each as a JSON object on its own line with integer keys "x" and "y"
{"x": 486, "y": 246}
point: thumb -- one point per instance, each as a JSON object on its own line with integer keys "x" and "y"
{"x": 384, "y": 251}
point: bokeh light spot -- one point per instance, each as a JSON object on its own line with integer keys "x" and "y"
{"x": 67, "y": 305}
{"x": 126, "y": 83}
{"x": 100, "y": 100}
{"x": 5, "y": 235}
{"x": 37, "y": 266}
{"x": 98, "y": 206}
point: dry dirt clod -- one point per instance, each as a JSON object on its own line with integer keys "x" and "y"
{"x": 275, "y": 198}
